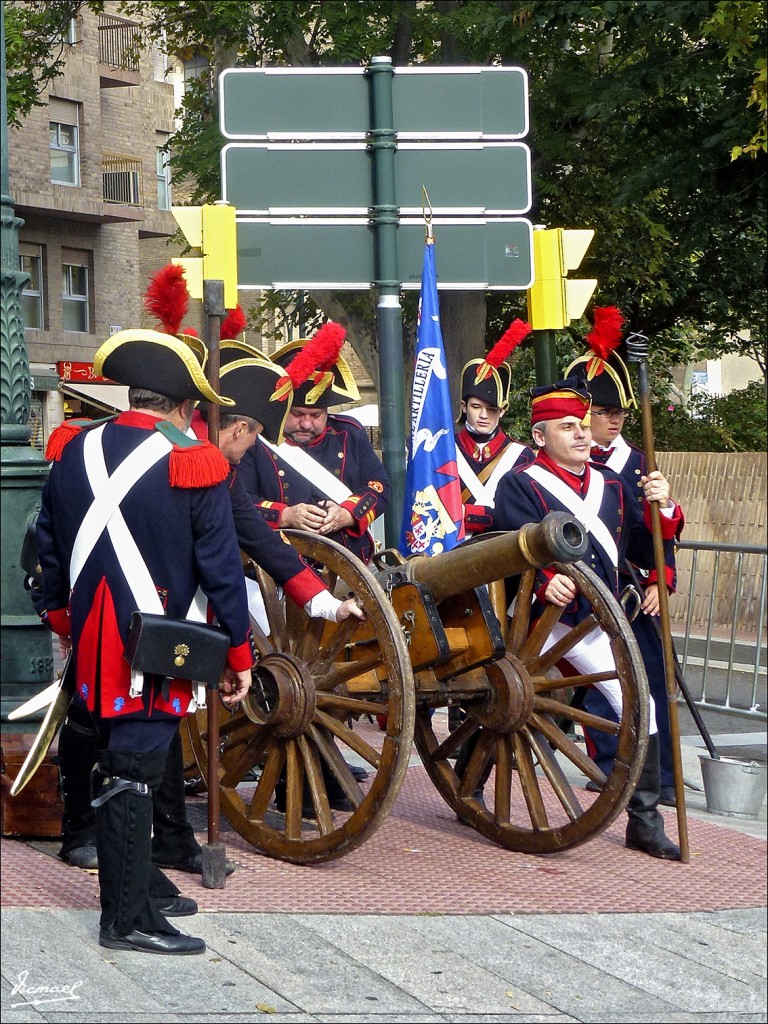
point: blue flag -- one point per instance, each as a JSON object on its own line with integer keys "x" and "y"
{"x": 433, "y": 517}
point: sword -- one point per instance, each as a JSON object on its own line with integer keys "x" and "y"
{"x": 35, "y": 703}
{"x": 54, "y": 718}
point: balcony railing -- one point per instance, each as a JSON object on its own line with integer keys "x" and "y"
{"x": 118, "y": 43}
{"x": 122, "y": 179}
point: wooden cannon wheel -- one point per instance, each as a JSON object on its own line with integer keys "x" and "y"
{"x": 313, "y": 681}
{"x": 521, "y": 728}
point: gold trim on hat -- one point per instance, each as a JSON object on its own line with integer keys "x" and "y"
{"x": 626, "y": 394}
{"x": 169, "y": 341}
{"x": 346, "y": 388}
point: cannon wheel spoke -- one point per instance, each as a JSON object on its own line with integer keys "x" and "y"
{"x": 280, "y": 774}
{"x": 535, "y": 765}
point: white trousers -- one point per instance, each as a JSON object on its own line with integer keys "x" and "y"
{"x": 593, "y": 654}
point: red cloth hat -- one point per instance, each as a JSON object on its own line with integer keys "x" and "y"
{"x": 568, "y": 397}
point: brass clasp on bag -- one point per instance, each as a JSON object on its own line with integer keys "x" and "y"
{"x": 181, "y": 651}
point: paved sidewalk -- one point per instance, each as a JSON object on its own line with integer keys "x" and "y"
{"x": 425, "y": 922}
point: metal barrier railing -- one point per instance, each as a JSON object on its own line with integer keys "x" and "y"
{"x": 731, "y": 606}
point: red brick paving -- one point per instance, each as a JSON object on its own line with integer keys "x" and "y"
{"x": 421, "y": 860}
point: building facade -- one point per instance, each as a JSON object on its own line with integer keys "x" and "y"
{"x": 89, "y": 177}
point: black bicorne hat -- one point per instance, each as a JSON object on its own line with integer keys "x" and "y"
{"x": 606, "y": 373}
{"x": 489, "y": 378}
{"x": 253, "y": 385}
{"x": 156, "y": 362}
{"x": 320, "y": 376}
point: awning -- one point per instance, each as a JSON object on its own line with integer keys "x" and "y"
{"x": 110, "y": 397}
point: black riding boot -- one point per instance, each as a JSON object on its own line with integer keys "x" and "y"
{"x": 129, "y": 884}
{"x": 645, "y": 828}
{"x": 465, "y": 753}
{"x": 79, "y": 745}
{"x": 173, "y": 838}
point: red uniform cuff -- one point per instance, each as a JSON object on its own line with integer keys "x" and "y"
{"x": 240, "y": 659}
{"x": 58, "y": 620}
{"x": 304, "y": 586}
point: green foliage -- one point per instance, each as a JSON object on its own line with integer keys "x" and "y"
{"x": 733, "y": 423}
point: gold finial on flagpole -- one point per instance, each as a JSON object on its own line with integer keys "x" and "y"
{"x": 426, "y": 212}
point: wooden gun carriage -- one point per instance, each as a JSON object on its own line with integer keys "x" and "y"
{"x": 437, "y": 635}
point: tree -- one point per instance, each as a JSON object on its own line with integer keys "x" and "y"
{"x": 636, "y": 111}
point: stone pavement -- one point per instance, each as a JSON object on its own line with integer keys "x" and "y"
{"x": 427, "y": 921}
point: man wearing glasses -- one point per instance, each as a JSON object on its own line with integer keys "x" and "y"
{"x": 610, "y": 387}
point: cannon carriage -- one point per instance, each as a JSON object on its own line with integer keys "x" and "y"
{"x": 438, "y": 634}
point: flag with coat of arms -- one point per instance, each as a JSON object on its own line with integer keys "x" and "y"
{"x": 433, "y": 516}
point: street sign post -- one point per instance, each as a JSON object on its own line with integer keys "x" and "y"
{"x": 287, "y": 179}
{"x": 418, "y": 125}
{"x": 336, "y": 254}
{"x": 334, "y": 103}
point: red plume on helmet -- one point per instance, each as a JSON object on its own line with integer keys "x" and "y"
{"x": 517, "y": 331}
{"x": 167, "y": 297}
{"x": 319, "y": 354}
{"x": 606, "y": 334}
{"x": 233, "y": 324}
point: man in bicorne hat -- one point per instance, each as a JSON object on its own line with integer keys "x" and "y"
{"x": 610, "y": 387}
{"x": 484, "y": 453}
{"x": 561, "y": 478}
{"x": 136, "y": 516}
{"x": 326, "y": 478}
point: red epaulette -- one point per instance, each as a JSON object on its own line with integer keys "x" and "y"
{"x": 61, "y": 437}
{"x": 199, "y": 465}
{"x": 192, "y": 463}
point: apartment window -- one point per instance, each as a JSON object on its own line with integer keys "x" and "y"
{"x": 64, "y": 141}
{"x": 195, "y": 67}
{"x": 31, "y": 262}
{"x": 74, "y": 290}
{"x": 163, "y": 171}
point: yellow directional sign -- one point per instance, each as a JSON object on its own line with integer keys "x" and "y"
{"x": 211, "y": 230}
{"x": 554, "y": 300}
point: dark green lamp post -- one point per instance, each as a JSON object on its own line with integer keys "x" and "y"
{"x": 27, "y": 662}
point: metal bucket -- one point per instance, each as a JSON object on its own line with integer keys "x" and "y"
{"x": 735, "y": 788}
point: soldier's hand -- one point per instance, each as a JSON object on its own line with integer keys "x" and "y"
{"x": 656, "y": 488}
{"x": 350, "y": 607}
{"x": 234, "y": 686}
{"x": 336, "y": 518}
{"x": 303, "y": 517}
{"x": 561, "y": 590}
{"x": 650, "y": 603}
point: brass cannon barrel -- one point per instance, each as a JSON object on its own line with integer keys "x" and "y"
{"x": 559, "y": 537}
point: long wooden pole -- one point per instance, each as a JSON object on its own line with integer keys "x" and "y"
{"x": 214, "y": 852}
{"x": 637, "y": 350}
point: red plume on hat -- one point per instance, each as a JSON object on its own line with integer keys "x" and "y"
{"x": 517, "y": 331}
{"x": 319, "y": 354}
{"x": 233, "y": 324}
{"x": 606, "y": 334}
{"x": 167, "y": 297}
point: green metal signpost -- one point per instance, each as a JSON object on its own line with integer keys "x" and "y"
{"x": 325, "y": 167}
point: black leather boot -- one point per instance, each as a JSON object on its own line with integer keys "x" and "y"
{"x": 173, "y": 838}
{"x": 645, "y": 828}
{"x": 465, "y": 753}
{"x": 79, "y": 745}
{"x": 131, "y": 888}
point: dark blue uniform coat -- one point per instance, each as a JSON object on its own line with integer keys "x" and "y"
{"x": 345, "y": 451}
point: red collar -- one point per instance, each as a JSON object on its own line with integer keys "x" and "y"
{"x": 491, "y": 448}
{"x": 574, "y": 481}
{"x": 138, "y": 419}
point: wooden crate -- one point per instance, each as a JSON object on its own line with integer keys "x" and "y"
{"x": 37, "y": 810}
